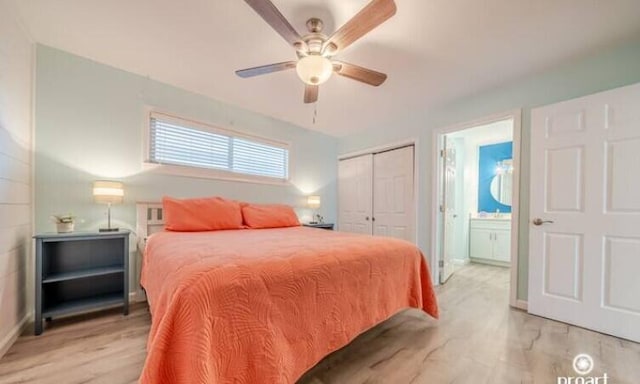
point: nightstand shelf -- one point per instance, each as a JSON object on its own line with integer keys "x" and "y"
{"x": 327, "y": 226}
{"x": 93, "y": 272}
{"x": 83, "y": 305}
{"x": 80, "y": 272}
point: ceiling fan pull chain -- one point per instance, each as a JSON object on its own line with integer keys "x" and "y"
{"x": 315, "y": 112}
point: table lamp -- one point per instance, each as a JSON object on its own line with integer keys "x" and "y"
{"x": 108, "y": 192}
{"x": 314, "y": 203}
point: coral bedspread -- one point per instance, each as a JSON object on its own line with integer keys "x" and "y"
{"x": 264, "y": 306}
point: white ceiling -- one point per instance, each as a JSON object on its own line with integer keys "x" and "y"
{"x": 433, "y": 50}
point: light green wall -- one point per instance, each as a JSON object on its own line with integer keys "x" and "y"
{"x": 609, "y": 68}
{"x": 89, "y": 125}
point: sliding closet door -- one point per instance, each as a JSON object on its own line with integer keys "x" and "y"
{"x": 355, "y": 194}
{"x": 393, "y": 194}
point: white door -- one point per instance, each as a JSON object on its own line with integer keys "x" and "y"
{"x": 449, "y": 235}
{"x": 584, "y": 253}
{"x": 355, "y": 194}
{"x": 393, "y": 200}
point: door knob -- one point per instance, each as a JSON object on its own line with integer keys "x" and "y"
{"x": 539, "y": 221}
{"x": 367, "y": 218}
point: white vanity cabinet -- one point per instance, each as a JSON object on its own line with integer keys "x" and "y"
{"x": 490, "y": 240}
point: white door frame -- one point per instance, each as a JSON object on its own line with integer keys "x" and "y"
{"x": 436, "y": 215}
{"x": 416, "y": 168}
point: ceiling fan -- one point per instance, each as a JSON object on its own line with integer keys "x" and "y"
{"x": 315, "y": 50}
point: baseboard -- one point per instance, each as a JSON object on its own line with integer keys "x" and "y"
{"x": 495, "y": 263}
{"x": 461, "y": 262}
{"x": 13, "y": 335}
{"x": 521, "y": 304}
{"x": 137, "y": 297}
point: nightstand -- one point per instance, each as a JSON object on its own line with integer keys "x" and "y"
{"x": 327, "y": 226}
{"x": 80, "y": 272}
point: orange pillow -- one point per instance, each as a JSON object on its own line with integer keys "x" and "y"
{"x": 204, "y": 214}
{"x": 269, "y": 216}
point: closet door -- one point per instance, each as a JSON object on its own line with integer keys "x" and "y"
{"x": 393, "y": 200}
{"x": 355, "y": 194}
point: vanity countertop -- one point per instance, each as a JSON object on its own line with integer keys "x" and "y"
{"x": 493, "y": 218}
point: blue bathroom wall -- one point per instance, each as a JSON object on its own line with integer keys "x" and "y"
{"x": 489, "y": 156}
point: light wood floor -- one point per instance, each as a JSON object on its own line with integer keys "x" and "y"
{"x": 477, "y": 340}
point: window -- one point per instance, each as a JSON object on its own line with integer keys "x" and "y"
{"x": 177, "y": 142}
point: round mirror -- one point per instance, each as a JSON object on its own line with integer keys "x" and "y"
{"x": 501, "y": 184}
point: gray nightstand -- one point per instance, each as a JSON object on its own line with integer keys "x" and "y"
{"x": 327, "y": 226}
{"x": 79, "y": 272}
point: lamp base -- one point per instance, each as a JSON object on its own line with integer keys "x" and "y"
{"x": 108, "y": 229}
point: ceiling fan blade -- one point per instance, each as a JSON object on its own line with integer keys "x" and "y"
{"x": 310, "y": 94}
{"x": 374, "y": 14}
{"x": 264, "y": 69}
{"x": 365, "y": 75}
{"x": 274, "y": 18}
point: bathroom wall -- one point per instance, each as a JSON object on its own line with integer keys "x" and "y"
{"x": 488, "y": 157}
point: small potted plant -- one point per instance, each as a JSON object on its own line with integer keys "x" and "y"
{"x": 64, "y": 223}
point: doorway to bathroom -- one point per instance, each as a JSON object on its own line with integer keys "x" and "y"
{"x": 476, "y": 213}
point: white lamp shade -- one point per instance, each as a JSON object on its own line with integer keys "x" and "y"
{"x": 108, "y": 192}
{"x": 313, "y": 202}
{"x": 314, "y": 69}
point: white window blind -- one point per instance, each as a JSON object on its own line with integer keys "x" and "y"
{"x": 183, "y": 143}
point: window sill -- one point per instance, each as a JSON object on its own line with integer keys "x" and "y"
{"x": 204, "y": 173}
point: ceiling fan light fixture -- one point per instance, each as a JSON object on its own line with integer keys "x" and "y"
{"x": 315, "y": 50}
{"x": 314, "y": 69}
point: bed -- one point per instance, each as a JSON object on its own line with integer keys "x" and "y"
{"x": 265, "y": 305}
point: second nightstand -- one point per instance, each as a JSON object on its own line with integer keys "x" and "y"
{"x": 327, "y": 226}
